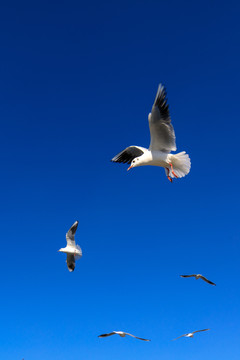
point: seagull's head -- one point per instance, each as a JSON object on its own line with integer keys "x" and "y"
{"x": 134, "y": 163}
{"x": 60, "y": 250}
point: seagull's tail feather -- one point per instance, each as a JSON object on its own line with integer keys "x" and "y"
{"x": 77, "y": 257}
{"x": 181, "y": 164}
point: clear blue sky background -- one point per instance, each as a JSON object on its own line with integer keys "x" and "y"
{"x": 78, "y": 80}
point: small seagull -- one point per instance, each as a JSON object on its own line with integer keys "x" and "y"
{"x": 122, "y": 334}
{"x": 163, "y": 141}
{"x": 73, "y": 251}
{"x": 199, "y": 276}
{"x": 190, "y": 334}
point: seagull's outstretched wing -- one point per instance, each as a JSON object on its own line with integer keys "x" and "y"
{"x": 127, "y": 155}
{"x": 70, "y": 262}
{"x": 208, "y": 281}
{"x": 70, "y": 235}
{"x": 180, "y": 336}
{"x": 105, "y": 335}
{"x": 186, "y": 276}
{"x": 161, "y": 130}
{"x": 199, "y": 331}
{"x": 137, "y": 337}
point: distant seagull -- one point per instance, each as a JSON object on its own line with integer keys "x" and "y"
{"x": 72, "y": 250}
{"x": 190, "y": 334}
{"x": 162, "y": 143}
{"x": 199, "y": 276}
{"x": 122, "y": 334}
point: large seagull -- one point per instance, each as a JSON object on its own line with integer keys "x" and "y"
{"x": 163, "y": 141}
{"x": 72, "y": 250}
{"x": 122, "y": 334}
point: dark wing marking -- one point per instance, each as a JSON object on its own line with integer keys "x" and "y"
{"x": 127, "y": 155}
{"x": 199, "y": 331}
{"x": 70, "y": 262}
{"x": 105, "y": 335}
{"x": 208, "y": 281}
{"x": 161, "y": 130}
{"x": 186, "y": 276}
{"x": 137, "y": 337}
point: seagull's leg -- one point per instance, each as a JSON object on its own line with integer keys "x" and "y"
{"x": 170, "y": 179}
{"x": 173, "y": 170}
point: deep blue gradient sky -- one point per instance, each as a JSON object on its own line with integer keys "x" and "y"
{"x": 77, "y": 83}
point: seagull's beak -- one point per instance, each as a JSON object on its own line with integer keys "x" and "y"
{"x": 129, "y": 167}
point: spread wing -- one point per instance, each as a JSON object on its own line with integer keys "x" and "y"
{"x": 180, "y": 336}
{"x": 105, "y": 335}
{"x": 70, "y": 236}
{"x": 208, "y": 281}
{"x": 199, "y": 331}
{"x": 161, "y": 130}
{"x": 70, "y": 262}
{"x": 127, "y": 155}
{"x": 187, "y": 276}
{"x": 137, "y": 337}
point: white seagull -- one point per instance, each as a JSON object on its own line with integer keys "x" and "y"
{"x": 199, "y": 276}
{"x": 163, "y": 141}
{"x": 122, "y": 334}
{"x": 72, "y": 250}
{"x": 190, "y": 334}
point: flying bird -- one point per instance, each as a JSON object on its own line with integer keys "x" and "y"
{"x": 72, "y": 250}
{"x": 122, "y": 334}
{"x": 190, "y": 334}
{"x": 163, "y": 141}
{"x": 199, "y": 276}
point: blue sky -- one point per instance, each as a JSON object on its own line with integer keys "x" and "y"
{"x": 77, "y": 83}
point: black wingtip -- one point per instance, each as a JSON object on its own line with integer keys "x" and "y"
{"x": 161, "y": 101}
{"x": 74, "y": 227}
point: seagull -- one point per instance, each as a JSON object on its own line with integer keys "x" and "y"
{"x": 163, "y": 141}
{"x": 190, "y": 334}
{"x": 122, "y": 334}
{"x": 199, "y": 276}
{"x": 73, "y": 251}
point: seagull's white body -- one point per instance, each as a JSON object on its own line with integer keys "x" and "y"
{"x": 73, "y": 251}
{"x": 153, "y": 158}
{"x": 121, "y": 333}
{"x": 163, "y": 141}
